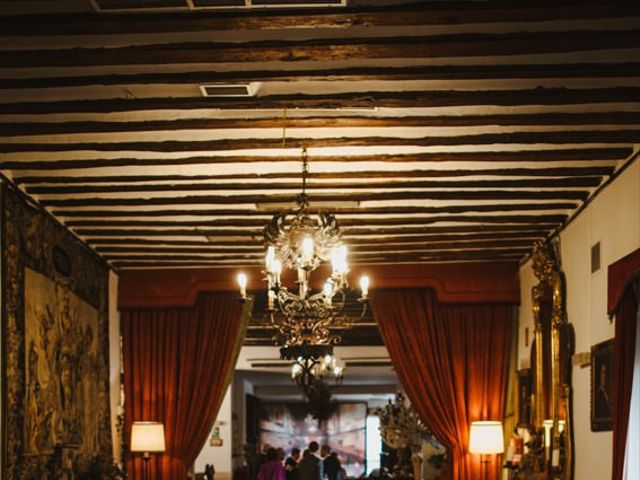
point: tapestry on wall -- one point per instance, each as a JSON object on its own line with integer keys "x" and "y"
{"x": 288, "y": 425}
{"x": 56, "y": 415}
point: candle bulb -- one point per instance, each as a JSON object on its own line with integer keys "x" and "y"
{"x": 342, "y": 262}
{"x": 276, "y": 266}
{"x": 242, "y": 283}
{"x": 271, "y": 298}
{"x": 335, "y": 261}
{"x": 364, "y": 286}
{"x": 270, "y": 257}
{"x": 307, "y": 250}
{"x": 327, "y": 290}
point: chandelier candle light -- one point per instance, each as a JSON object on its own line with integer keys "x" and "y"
{"x": 306, "y": 320}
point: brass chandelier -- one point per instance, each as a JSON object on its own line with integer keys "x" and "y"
{"x": 310, "y": 371}
{"x": 305, "y": 319}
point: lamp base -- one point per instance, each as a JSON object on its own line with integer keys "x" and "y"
{"x": 145, "y": 465}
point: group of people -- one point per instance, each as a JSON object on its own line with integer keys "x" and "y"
{"x": 312, "y": 464}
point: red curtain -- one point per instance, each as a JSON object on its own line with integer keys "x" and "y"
{"x": 623, "y": 364}
{"x": 452, "y": 360}
{"x": 177, "y": 366}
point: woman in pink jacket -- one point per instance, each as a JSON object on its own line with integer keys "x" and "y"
{"x": 272, "y": 469}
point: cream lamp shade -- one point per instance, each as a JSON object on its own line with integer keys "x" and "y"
{"x": 147, "y": 437}
{"x": 486, "y": 438}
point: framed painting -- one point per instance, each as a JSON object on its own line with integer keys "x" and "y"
{"x": 524, "y": 396}
{"x": 602, "y": 386}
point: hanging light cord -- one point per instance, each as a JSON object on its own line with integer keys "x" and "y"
{"x": 305, "y": 170}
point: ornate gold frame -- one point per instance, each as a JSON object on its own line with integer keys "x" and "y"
{"x": 557, "y": 462}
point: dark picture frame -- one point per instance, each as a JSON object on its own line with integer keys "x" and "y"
{"x": 524, "y": 396}
{"x": 602, "y": 386}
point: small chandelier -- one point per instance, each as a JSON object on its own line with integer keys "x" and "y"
{"x": 306, "y": 320}
{"x": 307, "y": 371}
{"x": 400, "y": 424}
{"x": 402, "y": 429}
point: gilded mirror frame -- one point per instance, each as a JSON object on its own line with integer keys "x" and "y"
{"x": 552, "y": 457}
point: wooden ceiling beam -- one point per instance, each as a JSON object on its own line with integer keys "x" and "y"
{"x": 531, "y": 233}
{"x": 352, "y": 74}
{"x": 371, "y": 174}
{"x": 259, "y": 251}
{"x": 417, "y": 14}
{"x": 526, "y": 156}
{"x": 256, "y": 234}
{"x": 395, "y": 99}
{"x": 360, "y": 197}
{"x": 586, "y": 118}
{"x": 406, "y": 210}
{"x": 203, "y": 260}
{"x": 344, "y": 222}
{"x": 329, "y": 49}
{"x": 565, "y": 182}
{"x": 444, "y": 13}
{"x": 553, "y": 137}
{"x": 363, "y": 256}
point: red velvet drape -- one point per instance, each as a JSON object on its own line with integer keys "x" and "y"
{"x": 177, "y": 363}
{"x": 452, "y": 361}
{"x": 623, "y": 364}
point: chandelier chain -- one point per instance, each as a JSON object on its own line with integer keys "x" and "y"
{"x": 304, "y": 201}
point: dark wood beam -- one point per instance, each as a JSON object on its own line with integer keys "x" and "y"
{"x": 495, "y": 207}
{"x": 203, "y": 260}
{"x": 371, "y": 73}
{"x": 345, "y": 222}
{"x": 499, "y": 172}
{"x": 400, "y": 99}
{"x": 594, "y": 136}
{"x": 528, "y": 156}
{"x": 329, "y": 49}
{"x": 361, "y": 197}
{"x": 275, "y": 187}
{"x": 259, "y": 250}
{"x": 531, "y": 233}
{"x": 257, "y": 235}
{"x": 257, "y": 258}
{"x": 442, "y": 13}
{"x": 586, "y": 118}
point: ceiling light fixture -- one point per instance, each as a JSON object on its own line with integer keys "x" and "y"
{"x": 306, "y": 321}
{"x": 308, "y": 371}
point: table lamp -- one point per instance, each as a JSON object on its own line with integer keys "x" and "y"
{"x": 147, "y": 437}
{"x": 486, "y": 438}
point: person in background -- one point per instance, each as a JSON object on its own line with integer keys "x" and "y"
{"x": 291, "y": 464}
{"x": 310, "y": 467}
{"x": 256, "y": 459}
{"x": 331, "y": 464}
{"x": 281, "y": 454}
{"x": 272, "y": 469}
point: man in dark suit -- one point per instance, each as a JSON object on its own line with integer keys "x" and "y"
{"x": 291, "y": 464}
{"x": 331, "y": 464}
{"x": 310, "y": 467}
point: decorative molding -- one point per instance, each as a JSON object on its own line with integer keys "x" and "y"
{"x": 453, "y": 282}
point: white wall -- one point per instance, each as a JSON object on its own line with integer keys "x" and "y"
{"x": 613, "y": 219}
{"x": 220, "y": 457}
